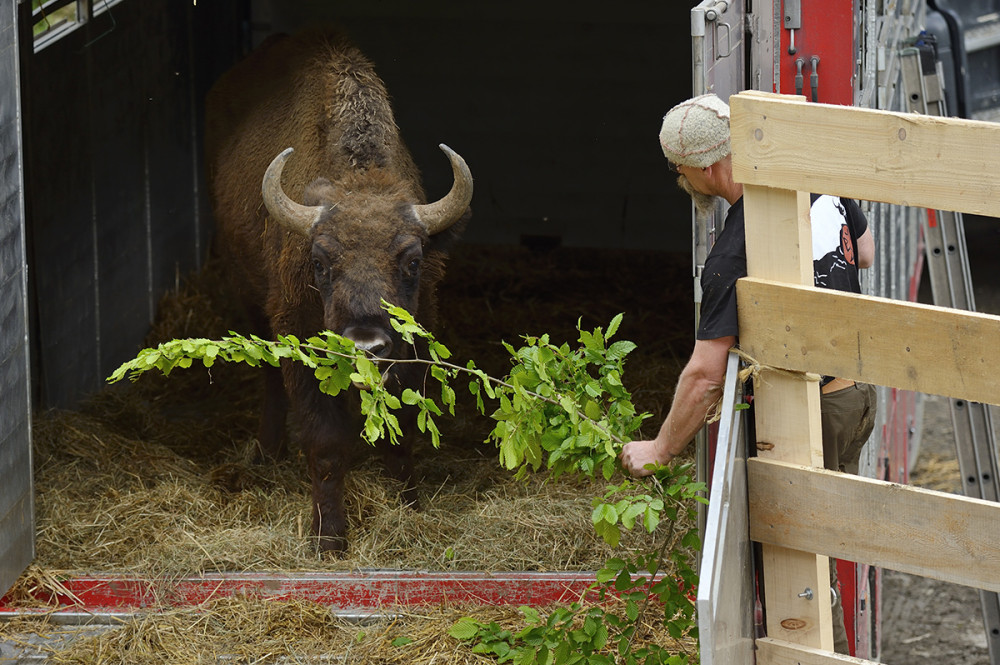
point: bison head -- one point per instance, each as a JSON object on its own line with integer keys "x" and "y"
{"x": 369, "y": 242}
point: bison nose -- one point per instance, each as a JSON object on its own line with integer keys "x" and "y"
{"x": 370, "y": 340}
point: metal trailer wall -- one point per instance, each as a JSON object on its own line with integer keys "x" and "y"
{"x": 556, "y": 107}
{"x": 16, "y": 521}
{"x": 113, "y": 178}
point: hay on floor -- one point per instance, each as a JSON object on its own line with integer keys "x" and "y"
{"x": 249, "y": 630}
{"x": 154, "y": 478}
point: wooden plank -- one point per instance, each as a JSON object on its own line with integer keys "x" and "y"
{"x": 791, "y": 617}
{"x": 777, "y": 230}
{"x": 778, "y": 652}
{"x": 911, "y": 160}
{"x": 885, "y": 342}
{"x": 784, "y": 407}
{"x": 787, "y": 414}
{"x": 946, "y": 537}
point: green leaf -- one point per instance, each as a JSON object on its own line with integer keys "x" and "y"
{"x": 592, "y": 410}
{"x": 619, "y": 350}
{"x": 651, "y": 520}
{"x": 401, "y": 641}
{"x": 613, "y": 326}
{"x": 632, "y": 512}
{"x": 530, "y": 614}
{"x": 604, "y": 512}
{"x": 510, "y": 458}
{"x": 464, "y": 629}
{"x": 600, "y": 636}
{"x": 608, "y": 532}
{"x": 592, "y": 341}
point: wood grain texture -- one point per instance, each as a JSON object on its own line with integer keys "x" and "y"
{"x": 787, "y": 412}
{"x": 772, "y": 651}
{"x": 778, "y": 234}
{"x": 885, "y": 342}
{"x": 902, "y": 158}
{"x": 913, "y": 530}
{"x": 787, "y": 415}
{"x": 790, "y": 617}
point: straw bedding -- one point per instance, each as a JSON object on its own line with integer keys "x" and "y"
{"x": 247, "y": 630}
{"x": 153, "y": 478}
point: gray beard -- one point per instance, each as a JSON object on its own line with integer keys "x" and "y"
{"x": 704, "y": 203}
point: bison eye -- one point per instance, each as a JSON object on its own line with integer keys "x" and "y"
{"x": 317, "y": 266}
{"x": 413, "y": 266}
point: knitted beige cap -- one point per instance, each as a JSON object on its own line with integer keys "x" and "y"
{"x": 696, "y": 132}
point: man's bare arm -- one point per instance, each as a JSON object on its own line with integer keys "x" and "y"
{"x": 698, "y": 388}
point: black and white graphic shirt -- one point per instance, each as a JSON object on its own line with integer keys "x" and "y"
{"x": 836, "y": 226}
{"x": 835, "y": 230}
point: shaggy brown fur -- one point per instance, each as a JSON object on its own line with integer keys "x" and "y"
{"x": 319, "y": 95}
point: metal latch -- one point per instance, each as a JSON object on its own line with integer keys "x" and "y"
{"x": 792, "y": 21}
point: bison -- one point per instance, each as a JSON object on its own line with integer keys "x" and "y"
{"x": 321, "y": 216}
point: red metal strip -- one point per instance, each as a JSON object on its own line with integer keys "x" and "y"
{"x": 349, "y": 591}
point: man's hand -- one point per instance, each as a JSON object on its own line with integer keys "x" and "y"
{"x": 636, "y": 455}
{"x": 699, "y": 386}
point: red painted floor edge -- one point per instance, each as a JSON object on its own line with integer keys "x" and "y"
{"x": 348, "y": 591}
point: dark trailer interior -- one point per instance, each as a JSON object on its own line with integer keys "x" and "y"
{"x": 103, "y": 208}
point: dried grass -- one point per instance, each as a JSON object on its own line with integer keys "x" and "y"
{"x": 249, "y": 630}
{"x": 107, "y": 502}
{"x": 153, "y": 478}
{"x": 937, "y": 472}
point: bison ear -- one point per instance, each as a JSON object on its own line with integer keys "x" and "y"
{"x": 320, "y": 192}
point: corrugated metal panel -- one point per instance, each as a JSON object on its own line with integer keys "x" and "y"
{"x": 16, "y": 519}
{"x": 113, "y": 180}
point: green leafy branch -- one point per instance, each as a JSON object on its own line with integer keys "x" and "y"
{"x": 549, "y": 402}
{"x": 563, "y": 408}
{"x": 633, "y": 589}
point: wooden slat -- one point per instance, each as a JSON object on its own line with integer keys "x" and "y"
{"x": 946, "y": 537}
{"x": 791, "y": 617}
{"x": 786, "y": 428}
{"x": 885, "y": 342}
{"x": 778, "y": 652}
{"x": 777, "y": 229}
{"x": 908, "y": 159}
{"x": 787, "y": 413}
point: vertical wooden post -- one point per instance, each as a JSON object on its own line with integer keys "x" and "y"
{"x": 787, "y": 408}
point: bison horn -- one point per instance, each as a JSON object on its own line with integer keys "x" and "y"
{"x": 294, "y": 216}
{"x": 441, "y": 214}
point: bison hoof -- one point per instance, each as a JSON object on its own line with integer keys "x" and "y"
{"x": 334, "y": 545}
{"x": 269, "y": 453}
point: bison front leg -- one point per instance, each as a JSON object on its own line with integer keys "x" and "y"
{"x": 398, "y": 458}
{"x": 327, "y": 442}
{"x": 274, "y": 411}
{"x": 327, "y": 472}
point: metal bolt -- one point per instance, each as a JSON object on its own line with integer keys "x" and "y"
{"x": 807, "y": 594}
